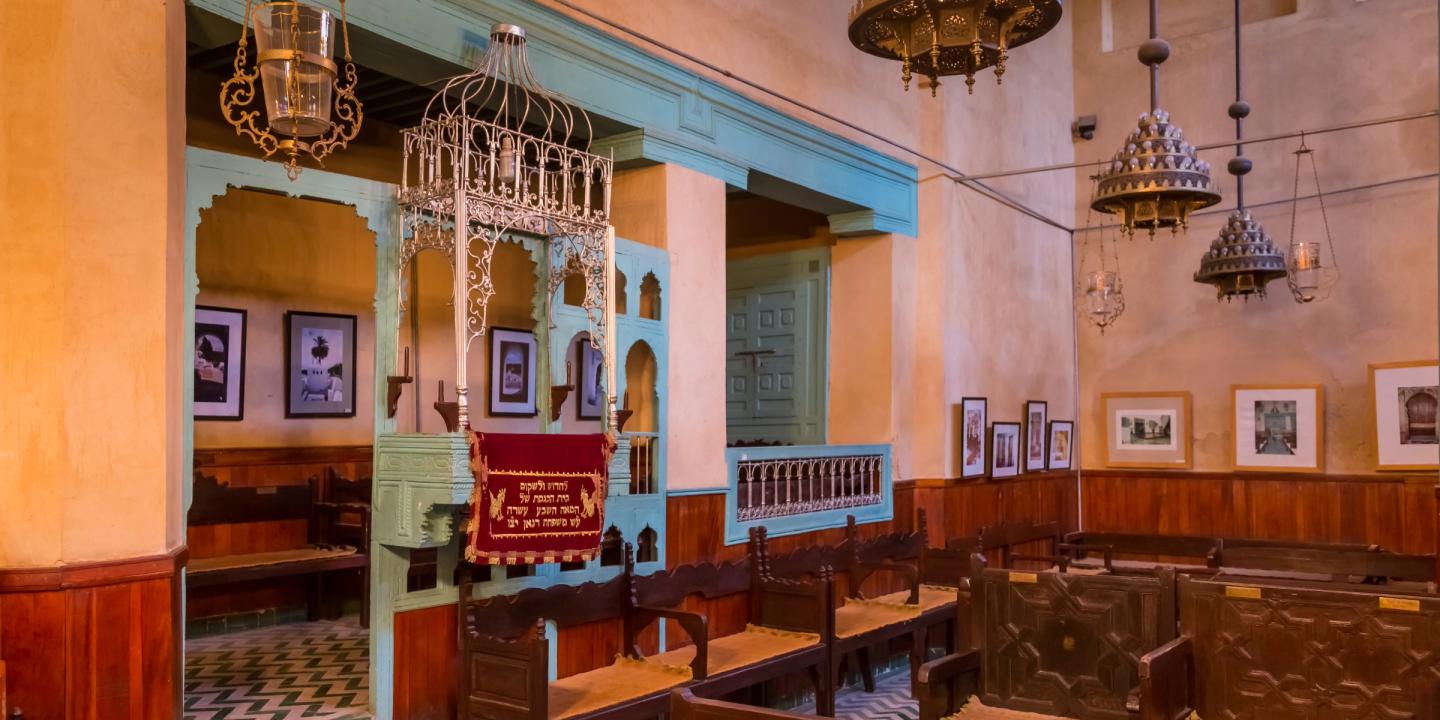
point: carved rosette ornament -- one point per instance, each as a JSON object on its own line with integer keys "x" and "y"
{"x": 935, "y": 38}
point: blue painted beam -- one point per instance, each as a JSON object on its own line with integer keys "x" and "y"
{"x": 676, "y": 107}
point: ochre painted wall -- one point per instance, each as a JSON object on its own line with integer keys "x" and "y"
{"x": 1173, "y": 335}
{"x": 268, "y": 254}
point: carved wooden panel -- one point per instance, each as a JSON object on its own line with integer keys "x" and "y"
{"x": 1069, "y": 645}
{"x": 1272, "y": 652}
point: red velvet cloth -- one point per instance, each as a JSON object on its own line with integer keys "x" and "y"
{"x": 538, "y": 498}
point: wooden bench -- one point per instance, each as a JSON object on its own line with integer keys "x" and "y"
{"x": 685, "y": 706}
{"x": 506, "y": 657}
{"x": 1283, "y": 650}
{"x": 1054, "y": 644}
{"x": 785, "y": 631}
{"x": 338, "y": 534}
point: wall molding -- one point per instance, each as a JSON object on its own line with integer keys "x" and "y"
{"x": 282, "y": 455}
{"x": 72, "y": 576}
{"x": 1018, "y": 479}
{"x": 1253, "y": 476}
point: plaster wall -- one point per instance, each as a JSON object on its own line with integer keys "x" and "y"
{"x": 1173, "y": 335}
{"x": 979, "y": 303}
{"x": 90, "y": 313}
{"x": 267, "y": 255}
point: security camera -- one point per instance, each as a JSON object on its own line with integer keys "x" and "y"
{"x": 1084, "y": 127}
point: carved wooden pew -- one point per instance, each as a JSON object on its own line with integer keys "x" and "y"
{"x": 1282, "y": 650}
{"x": 784, "y": 634}
{"x": 1337, "y": 563}
{"x": 1055, "y": 643}
{"x": 685, "y": 706}
{"x": 338, "y": 535}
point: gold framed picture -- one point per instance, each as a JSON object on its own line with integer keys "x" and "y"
{"x": 1278, "y": 428}
{"x": 1403, "y": 398}
{"x": 1147, "y": 429}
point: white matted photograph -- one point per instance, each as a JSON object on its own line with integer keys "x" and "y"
{"x": 1146, "y": 429}
{"x": 1061, "y": 444}
{"x": 1404, "y": 396}
{"x": 1279, "y": 428}
{"x": 219, "y": 363}
{"x": 973, "y": 419}
{"x": 1005, "y": 450}
{"x": 1036, "y": 418}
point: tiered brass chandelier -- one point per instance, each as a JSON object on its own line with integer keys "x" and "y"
{"x": 1156, "y": 180}
{"x": 308, "y": 110}
{"x": 949, "y": 37}
{"x": 1243, "y": 259}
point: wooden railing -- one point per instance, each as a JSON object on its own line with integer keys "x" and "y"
{"x": 794, "y": 489}
{"x": 644, "y": 462}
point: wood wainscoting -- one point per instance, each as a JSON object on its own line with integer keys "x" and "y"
{"x": 94, "y": 640}
{"x": 1396, "y": 511}
{"x": 426, "y": 658}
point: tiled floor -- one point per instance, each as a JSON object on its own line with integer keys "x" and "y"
{"x": 315, "y": 671}
{"x": 320, "y": 671}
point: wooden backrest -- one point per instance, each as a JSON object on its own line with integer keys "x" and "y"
{"x": 506, "y": 679}
{"x": 1287, "y": 651}
{"x": 512, "y": 616}
{"x": 217, "y": 504}
{"x": 668, "y": 588}
{"x": 1338, "y": 561}
{"x": 685, "y": 706}
{"x": 1067, "y": 644}
{"x": 1189, "y": 546}
{"x": 892, "y": 546}
{"x": 1006, "y": 536}
{"x": 789, "y": 603}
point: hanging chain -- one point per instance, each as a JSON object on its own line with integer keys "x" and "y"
{"x": 1324, "y": 218}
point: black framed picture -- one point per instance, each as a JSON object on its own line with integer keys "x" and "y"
{"x": 219, "y": 392}
{"x": 319, "y": 365}
{"x": 1061, "y": 444}
{"x": 1036, "y": 422}
{"x": 590, "y": 403}
{"x": 1005, "y": 450}
{"x": 973, "y": 419}
{"x": 512, "y": 372}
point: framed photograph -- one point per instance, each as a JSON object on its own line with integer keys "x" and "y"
{"x": 589, "y": 403}
{"x": 1279, "y": 428}
{"x": 973, "y": 419}
{"x": 319, "y": 365}
{"x": 1005, "y": 450}
{"x": 1403, "y": 399}
{"x": 219, "y": 363}
{"x": 512, "y": 372}
{"x": 1061, "y": 444}
{"x": 1147, "y": 429}
{"x": 1036, "y": 416}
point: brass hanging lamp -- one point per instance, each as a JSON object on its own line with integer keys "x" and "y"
{"x": 1308, "y": 274}
{"x": 308, "y": 110}
{"x": 949, "y": 37}
{"x": 1100, "y": 291}
{"x": 1156, "y": 180}
{"x": 1243, "y": 260}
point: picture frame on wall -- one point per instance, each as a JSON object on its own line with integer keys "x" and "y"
{"x": 512, "y": 372}
{"x": 1061, "y": 444}
{"x": 1278, "y": 428}
{"x": 1006, "y": 450}
{"x": 1403, "y": 399}
{"x": 1147, "y": 429}
{"x": 589, "y": 401}
{"x": 319, "y": 365}
{"x": 974, "y": 417}
{"x": 1036, "y": 420}
{"x": 219, "y": 392}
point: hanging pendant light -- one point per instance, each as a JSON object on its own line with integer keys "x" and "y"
{"x": 1243, "y": 260}
{"x": 1100, "y": 292}
{"x": 1155, "y": 180}
{"x": 308, "y": 111}
{"x": 1310, "y": 278}
{"x": 949, "y": 37}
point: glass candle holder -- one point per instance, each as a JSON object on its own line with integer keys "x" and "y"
{"x": 295, "y": 43}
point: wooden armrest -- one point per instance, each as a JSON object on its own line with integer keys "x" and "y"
{"x": 1061, "y": 561}
{"x": 807, "y": 605}
{"x": 694, "y": 624}
{"x": 863, "y": 570}
{"x": 1077, "y": 552}
{"x": 944, "y": 685}
{"x": 1167, "y": 682}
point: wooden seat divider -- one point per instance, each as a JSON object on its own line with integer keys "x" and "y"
{"x": 1312, "y": 561}
{"x": 785, "y": 631}
{"x": 1287, "y": 650}
{"x": 338, "y": 535}
{"x": 1056, "y": 644}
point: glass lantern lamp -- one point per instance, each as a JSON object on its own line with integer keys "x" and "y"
{"x": 308, "y": 109}
{"x": 1310, "y": 276}
{"x": 1102, "y": 291}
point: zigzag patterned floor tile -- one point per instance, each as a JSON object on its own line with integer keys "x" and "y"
{"x": 309, "y": 671}
{"x": 890, "y": 701}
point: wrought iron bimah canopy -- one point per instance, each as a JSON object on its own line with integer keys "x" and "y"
{"x": 497, "y": 153}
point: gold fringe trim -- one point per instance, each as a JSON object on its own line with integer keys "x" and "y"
{"x": 941, "y": 588}
{"x": 652, "y": 665}
{"x": 776, "y": 632}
